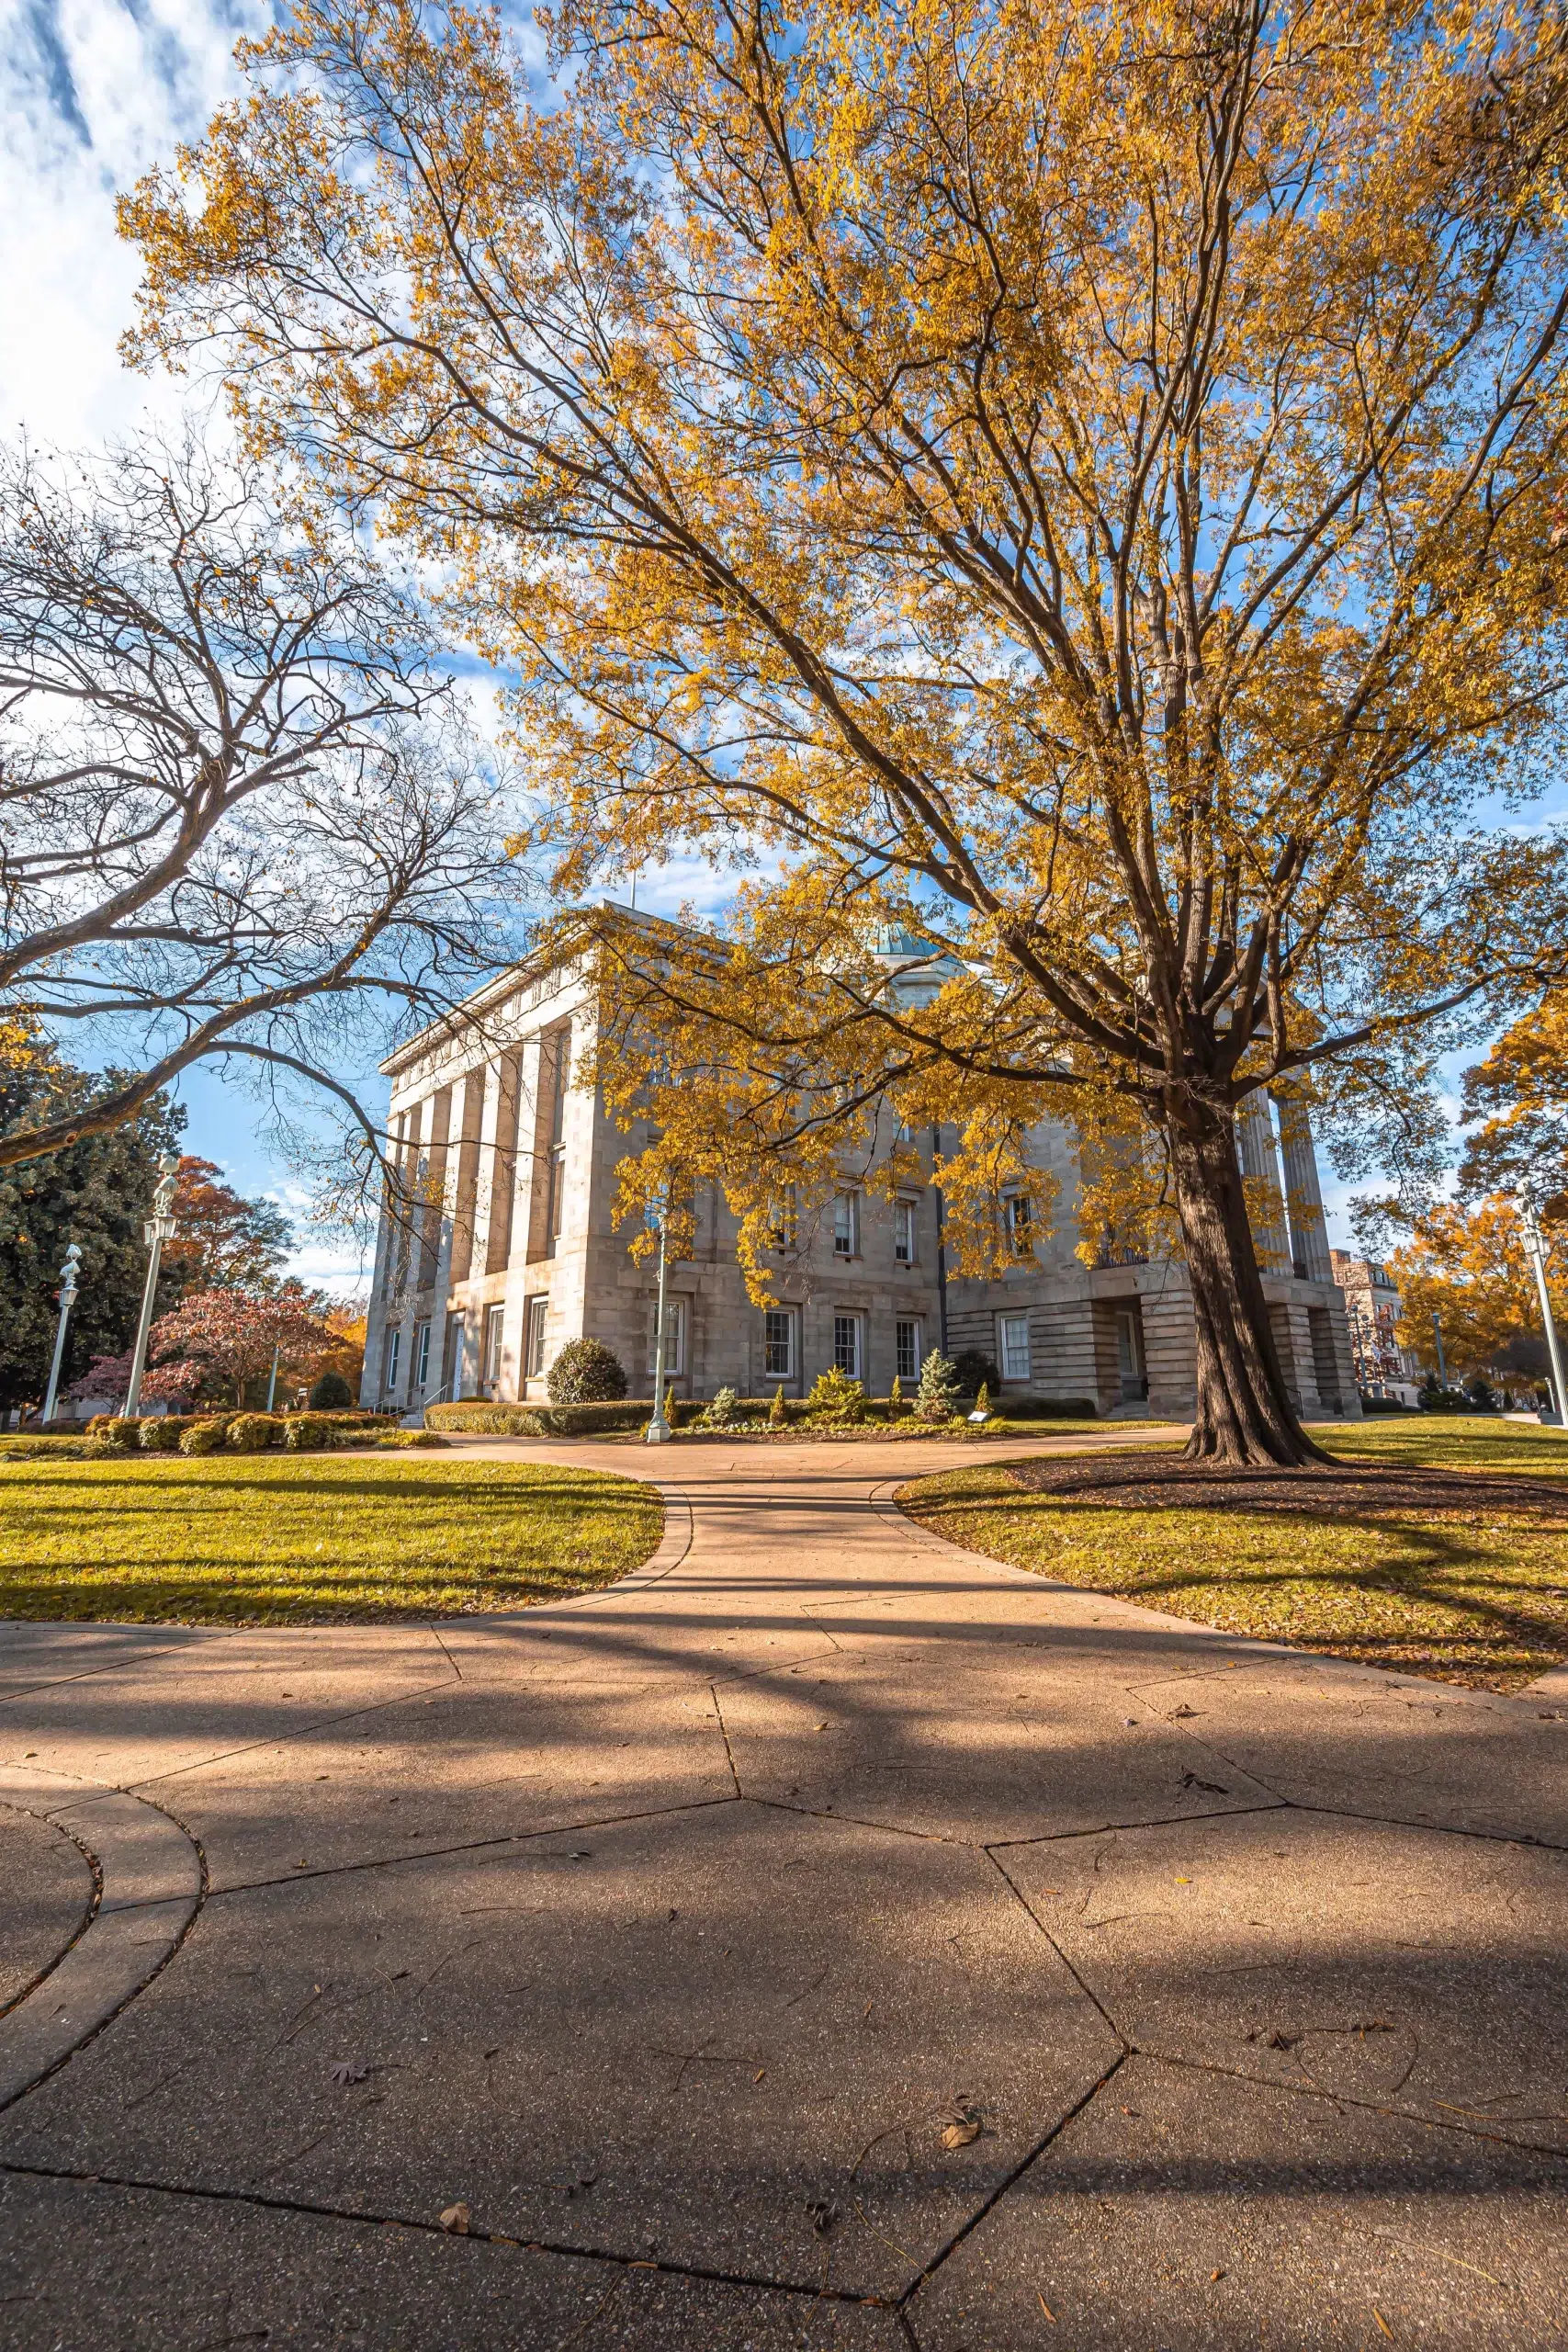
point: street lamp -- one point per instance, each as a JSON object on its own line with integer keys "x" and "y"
{"x": 1535, "y": 1248}
{"x": 67, "y": 1301}
{"x": 658, "y": 1428}
{"x": 157, "y": 1229}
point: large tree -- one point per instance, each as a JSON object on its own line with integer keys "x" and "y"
{"x": 1083, "y": 485}
{"x": 221, "y": 1240}
{"x": 240, "y": 817}
{"x": 94, "y": 1193}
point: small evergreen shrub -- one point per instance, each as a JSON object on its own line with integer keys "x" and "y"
{"x": 205, "y": 1436}
{"x": 983, "y": 1399}
{"x": 895, "y": 1399}
{"x": 973, "y": 1370}
{"x": 722, "y": 1412}
{"x": 331, "y": 1393}
{"x": 254, "y": 1432}
{"x": 306, "y": 1432}
{"x": 586, "y": 1373}
{"x": 117, "y": 1429}
{"x": 778, "y": 1419}
{"x": 938, "y": 1397}
{"x": 835, "y": 1397}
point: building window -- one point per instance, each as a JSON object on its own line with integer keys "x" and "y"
{"x": 495, "y": 1329}
{"x": 674, "y": 1334}
{"x": 1012, "y": 1338}
{"x": 846, "y": 1345}
{"x": 394, "y": 1353}
{"x": 778, "y": 1343}
{"x": 1019, "y": 1214}
{"x": 783, "y": 1224}
{"x": 907, "y": 1350}
{"x": 534, "y": 1361}
{"x": 420, "y": 1354}
{"x": 846, "y": 1225}
{"x": 904, "y": 1233}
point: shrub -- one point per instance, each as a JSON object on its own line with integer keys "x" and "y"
{"x": 1052, "y": 1409}
{"x": 547, "y": 1420}
{"x": 399, "y": 1441}
{"x": 254, "y": 1432}
{"x": 116, "y": 1429}
{"x": 778, "y": 1419}
{"x": 163, "y": 1434}
{"x": 938, "y": 1398}
{"x": 983, "y": 1400}
{"x": 331, "y": 1393}
{"x": 306, "y": 1432}
{"x": 722, "y": 1413}
{"x": 973, "y": 1370}
{"x": 586, "y": 1373}
{"x": 205, "y": 1436}
{"x": 895, "y": 1399}
{"x": 836, "y": 1397}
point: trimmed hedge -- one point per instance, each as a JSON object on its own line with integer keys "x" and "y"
{"x": 1045, "y": 1409}
{"x": 482, "y": 1420}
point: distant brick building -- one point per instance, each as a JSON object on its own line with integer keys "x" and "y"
{"x": 1372, "y": 1310}
{"x": 516, "y": 1253}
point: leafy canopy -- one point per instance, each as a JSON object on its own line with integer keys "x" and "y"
{"x": 1082, "y": 485}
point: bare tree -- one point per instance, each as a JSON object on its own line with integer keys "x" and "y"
{"x": 240, "y": 813}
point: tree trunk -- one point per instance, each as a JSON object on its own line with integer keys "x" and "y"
{"x": 1244, "y": 1411}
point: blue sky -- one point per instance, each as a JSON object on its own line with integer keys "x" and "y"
{"x": 93, "y": 92}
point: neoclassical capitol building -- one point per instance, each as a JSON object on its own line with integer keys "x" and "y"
{"x": 512, "y": 1251}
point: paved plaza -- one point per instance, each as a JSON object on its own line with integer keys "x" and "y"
{"x": 823, "y": 1938}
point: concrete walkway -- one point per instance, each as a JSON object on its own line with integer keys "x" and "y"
{"x": 825, "y": 1938}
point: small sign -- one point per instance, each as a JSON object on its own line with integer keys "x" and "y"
{"x": 979, "y": 1417}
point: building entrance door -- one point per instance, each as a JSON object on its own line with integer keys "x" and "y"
{"x": 1129, "y": 1355}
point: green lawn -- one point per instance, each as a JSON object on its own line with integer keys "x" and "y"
{"x": 268, "y": 1539}
{"x": 1467, "y": 1583}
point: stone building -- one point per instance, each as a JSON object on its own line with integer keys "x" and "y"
{"x": 513, "y": 1251}
{"x": 1372, "y": 1309}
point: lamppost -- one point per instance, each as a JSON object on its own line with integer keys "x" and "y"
{"x": 1536, "y": 1249}
{"x": 158, "y": 1229}
{"x": 658, "y": 1428}
{"x": 67, "y": 1301}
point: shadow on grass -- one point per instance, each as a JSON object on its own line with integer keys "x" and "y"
{"x": 1470, "y": 1605}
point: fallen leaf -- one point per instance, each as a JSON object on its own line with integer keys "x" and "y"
{"x": 1046, "y": 2307}
{"x": 1214, "y": 2275}
{"x": 1190, "y": 1780}
{"x": 821, "y": 2215}
{"x": 758, "y": 2074}
{"x": 958, "y": 2135}
{"x": 346, "y": 2071}
{"x": 1383, "y": 2325}
{"x": 579, "y": 1854}
{"x": 455, "y": 2220}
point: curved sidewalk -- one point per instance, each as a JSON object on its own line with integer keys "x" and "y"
{"x": 823, "y": 1937}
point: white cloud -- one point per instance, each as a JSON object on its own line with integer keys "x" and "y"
{"x": 95, "y": 91}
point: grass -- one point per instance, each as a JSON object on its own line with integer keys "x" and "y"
{"x": 1474, "y": 1592}
{"x": 267, "y": 1538}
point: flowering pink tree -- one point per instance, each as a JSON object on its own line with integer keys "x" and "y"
{"x": 176, "y": 1384}
{"x": 217, "y": 1339}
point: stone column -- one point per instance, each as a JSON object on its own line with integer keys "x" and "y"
{"x": 1260, "y": 1166}
{"x": 1303, "y": 1197}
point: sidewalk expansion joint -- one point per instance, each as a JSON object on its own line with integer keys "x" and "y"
{"x": 473, "y": 1846}
{"x": 1003, "y": 2188}
{"x": 1477, "y": 2130}
{"x": 359, "y": 2217}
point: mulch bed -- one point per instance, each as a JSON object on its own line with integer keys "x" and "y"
{"x": 1157, "y": 1482}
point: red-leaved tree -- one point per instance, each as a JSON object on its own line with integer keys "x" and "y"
{"x": 212, "y": 1342}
